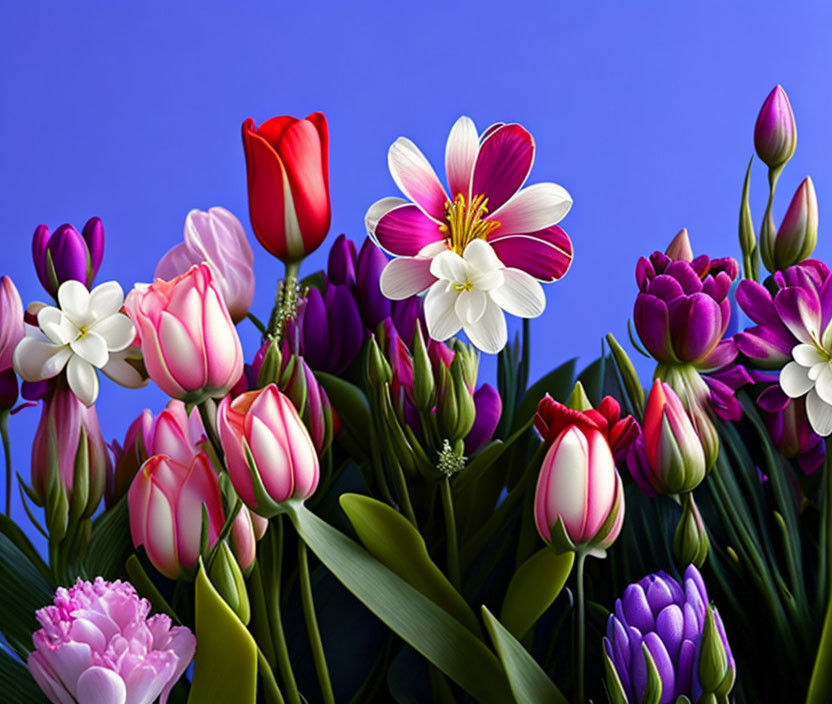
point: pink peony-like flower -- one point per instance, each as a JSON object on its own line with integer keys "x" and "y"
{"x": 96, "y": 645}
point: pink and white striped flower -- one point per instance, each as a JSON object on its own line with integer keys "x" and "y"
{"x": 487, "y": 202}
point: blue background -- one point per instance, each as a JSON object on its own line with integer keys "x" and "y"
{"x": 643, "y": 111}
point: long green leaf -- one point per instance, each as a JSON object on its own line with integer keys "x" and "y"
{"x": 394, "y": 542}
{"x": 557, "y": 383}
{"x": 529, "y": 683}
{"x": 351, "y": 404}
{"x": 110, "y": 543}
{"x": 225, "y": 668}
{"x": 13, "y": 532}
{"x": 430, "y": 629}
{"x": 533, "y": 588}
{"x": 16, "y": 684}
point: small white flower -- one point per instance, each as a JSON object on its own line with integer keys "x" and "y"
{"x": 810, "y": 374}
{"x": 79, "y": 336}
{"x": 472, "y": 292}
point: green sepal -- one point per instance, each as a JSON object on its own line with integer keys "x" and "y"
{"x": 424, "y": 385}
{"x": 270, "y": 367}
{"x": 560, "y": 540}
{"x": 713, "y": 661}
{"x": 466, "y": 410}
{"x": 227, "y": 578}
{"x": 633, "y": 387}
{"x": 80, "y": 478}
{"x": 578, "y": 399}
{"x": 615, "y": 690}
{"x": 653, "y": 690}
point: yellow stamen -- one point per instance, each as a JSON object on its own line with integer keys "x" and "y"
{"x": 465, "y": 223}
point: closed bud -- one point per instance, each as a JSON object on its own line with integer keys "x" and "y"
{"x": 690, "y": 541}
{"x": 798, "y": 234}
{"x": 775, "y": 134}
{"x": 679, "y": 248}
{"x": 379, "y": 372}
{"x": 466, "y": 409}
{"x": 578, "y": 400}
{"x": 447, "y": 412}
{"x": 469, "y": 358}
{"x": 713, "y": 660}
{"x": 271, "y": 362}
{"x": 424, "y": 385}
{"x": 228, "y": 580}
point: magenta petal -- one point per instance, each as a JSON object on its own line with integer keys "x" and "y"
{"x": 724, "y": 353}
{"x": 503, "y": 163}
{"x": 405, "y": 230}
{"x": 772, "y": 399}
{"x": 546, "y": 254}
{"x": 825, "y": 295}
{"x": 799, "y": 309}
{"x": 684, "y": 273}
{"x": 652, "y": 322}
{"x": 695, "y": 326}
{"x": 645, "y": 272}
{"x": 766, "y": 345}
{"x": 723, "y": 401}
{"x": 488, "y": 407}
{"x": 665, "y": 287}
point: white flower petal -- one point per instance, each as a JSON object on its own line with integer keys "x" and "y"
{"x": 404, "y": 277}
{"x": 819, "y": 414}
{"x": 794, "y": 380}
{"x": 460, "y": 155}
{"x": 520, "y": 295}
{"x": 56, "y": 326}
{"x": 117, "y": 330}
{"x": 815, "y": 370}
{"x": 440, "y": 316}
{"x": 482, "y": 256}
{"x": 823, "y": 384}
{"x": 489, "y": 333}
{"x": 74, "y": 299}
{"x": 36, "y": 360}
{"x": 485, "y": 280}
{"x": 470, "y": 305}
{"x": 534, "y": 208}
{"x": 106, "y": 299}
{"x": 91, "y": 348}
{"x": 121, "y": 371}
{"x": 449, "y": 266}
{"x": 377, "y": 211}
{"x": 416, "y": 178}
{"x": 806, "y": 355}
{"x": 82, "y": 379}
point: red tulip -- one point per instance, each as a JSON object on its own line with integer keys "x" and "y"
{"x": 287, "y": 161}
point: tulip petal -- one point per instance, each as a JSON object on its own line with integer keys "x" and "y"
{"x": 695, "y": 326}
{"x": 175, "y": 261}
{"x": 460, "y": 154}
{"x": 185, "y": 361}
{"x": 440, "y": 316}
{"x": 416, "y": 178}
{"x": 565, "y": 492}
{"x": 794, "y": 380}
{"x": 405, "y": 230}
{"x": 74, "y": 299}
{"x": 160, "y": 534}
{"x": 223, "y": 351}
{"x": 520, "y": 294}
{"x": 91, "y": 348}
{"x": 536, "y": 207}
{"x": 272, "y": 456}
{"x": 819, "y": 414}
{"x": 652, "y": 321}
{"x": 489, "y": 333}
{"x": 799, "y": 309}
{"x": 545, "y": 254}
{"x": 100, "y": 685}
{"x": 503, "y": 164}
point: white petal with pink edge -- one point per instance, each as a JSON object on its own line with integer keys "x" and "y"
{"x": 534, "y": 208}
{"x": 460, "y": 155}
{"x": 416, "y": 178}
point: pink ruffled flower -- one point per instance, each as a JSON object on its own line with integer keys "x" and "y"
{"x": 96, "y": 645}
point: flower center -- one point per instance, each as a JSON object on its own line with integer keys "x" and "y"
{"x": 462, "y": 286}
{"x": 465, "y": 222}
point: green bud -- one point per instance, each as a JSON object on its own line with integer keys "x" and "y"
{"x": 293, "y": 384}
{"x": 713, "y": 661}
{"x": 447, "y": 411}
{"x": 469, "y": 357}
{"x": 379, "y": 372}
{"x": 748, "y": 239}
{"x": 632, "y": 385}
{"x": 226, "y": 576}
{"x": 81, "y": 478}
{"x": 615, "y": 690}
{"x": 424, "y": 386}
{"x": 466, "y": 410}
{"x": 270, "y": 368}
{"x": 394, "y": 435}
{"x": 578, "y": 400}
{"x": 690, "y": 541}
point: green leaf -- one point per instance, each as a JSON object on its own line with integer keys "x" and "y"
{"x": 13, "y": 532}
{"x": 533, "y": 588}
{"x": 820, "y": 686}
{"x": 145, "y": 587}
{"x": 351, "y": 405}
{"x": 529, "y": 683}
{"x": 23, "y": 590}
{"x": 430, "y": 629}
{"x": 225, "y": 668}
{"x": 110, "y": 543}
{"x": 557, "y": 383}
{"x": 16, "y": 684}
{"x": 394, "y": 542}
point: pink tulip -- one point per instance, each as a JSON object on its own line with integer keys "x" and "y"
{"x": 96, "y": 645}
{"x": 244, "y": 537}
{"x": 11, "y": 332}
{"x": 217, "y": 238}
{"x": 775, "y": 134}
{"x": 173, "y": 433}
{"x": 578, "y": 483}
{"x": 190, "y": 346}
{"x": 165, "y": 502}
{"x": 265, "y": 423}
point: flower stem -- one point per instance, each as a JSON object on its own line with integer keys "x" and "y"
{"x": 7, "y": 452}
{"x": 318, "y": 655}
{"x": 452, "y": 546}
{"x": 404, "y": 494}
{"x": 285, "y": 300}
{"x": 581, "y": 625}
{"x": 208, "y": 416}
{"x": 271, "y": 690}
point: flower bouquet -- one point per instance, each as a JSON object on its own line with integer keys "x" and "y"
{"x": 346, "y": 514}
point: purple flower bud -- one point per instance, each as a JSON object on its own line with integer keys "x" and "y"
{"x": 489, "y": 408}
{"x": 798, "y": 233}
{"x": 67, "y": 255}
{"x": 93, "y": 235}
{"x": 341, "y": 266}
{"x": 374, "y": 305}
{"x": 775, "y": 134}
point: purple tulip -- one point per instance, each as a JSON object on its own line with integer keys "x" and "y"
{"x": 489, "y": 408}
{"x": 775, "y": 134}
{"x": 67, "y": 255}
{"x": 797, "y": 236}
{"x": 671, "y": 624}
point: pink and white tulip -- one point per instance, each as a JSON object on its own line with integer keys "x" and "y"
{"x": 11, "y": 332}
{"x": 188, "y": 340}
{"x": 165, "y": 502}
{"x": 487, "y": 204}
{"x": 217, "y": 238}
{"x": 265, "y": 426}
{"x": 96, "y": 645}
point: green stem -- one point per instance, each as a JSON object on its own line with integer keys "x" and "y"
{"x": 318, "y": 655}
{"x": 525, "y": 352}
{"x": 579, "y": 588}
{"x": 404, "y": 494}
{"x": 208, "y": 417}
{"x": 767, "y": 229}
{"x": 270, "y": 688}
{"x": 259, "y": 615}
{"x": 285, "y": 300}
{"x": 7, "y": 452}
{"x": 257, "y": 323}
{"x": 452, "y": 546}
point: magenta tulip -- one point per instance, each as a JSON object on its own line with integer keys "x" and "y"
{"x": 264, "y": 426}
{"x": 797, "y": 236}
{"x": 11, "y": 332}
{"x": 775, "y": 134}
{"x": 189, "y": 343}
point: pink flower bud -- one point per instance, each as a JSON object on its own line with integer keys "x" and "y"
{"x": 11, "y": 321}
{"x": 798, "y": 233}
{"x": 775, "y": 134}
{"x": 578, "y": 485}
{"x": 244, "y": 538}
{"x": 189, "y": 343}
{"x": 165, "y": 502}
{"x": 679, "y": 248}
{"x": 268, "y": 451}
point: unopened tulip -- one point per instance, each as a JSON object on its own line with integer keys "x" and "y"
{"x": 798, "y": 233}
{"x": 690, "y": 540}
{"x": 579, "y": 498}
{"x": 11, "y": 332}
{"x": 217, "y": 238}
{"x": 227, "y": 577}
{"x": 97, "y": 644}
{"x": 67, "y": 255}
{"x": 775, "y": 134}
{"x": 268, "y": 451}
{"x": 489, "y": 408}
{"x": 166, "y": 502}
{"x": 287, "y": 161}
{"x": 189, "y": 343}
{"x": 675, "y": 457}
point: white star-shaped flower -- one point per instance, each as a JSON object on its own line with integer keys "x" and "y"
{"x": 79, "y": 336}
{"x": 810, "y": 374}
{"x": 472, "y": 292}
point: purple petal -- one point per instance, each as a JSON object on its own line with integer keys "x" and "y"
{"x": 684, "y": 667}
{"x": 405, "y": 313}
{"x": 652, "y": 321}
{"x": 315, "y": 331}
{"x": 756, "y": 302}
{"x": 346, "y": 331}
{"x": 665, "y": 287}
{"x": 721, "y": 355}
{"x": 488, "y": 408}
{"x": 685, "y": 275}
{"x": 670, "y": 624}
{"x": 40, "y": 240}
{"x": 770, "y": 346}
{"x": 69, "y": 254}
{"x": 374, "y": 305}
{"x": 645, "y": 273}
{"x": 637, "y": 609}
{"x": 405, "y": 230}
{"x": 772, "y": 399}
{"x": 502, "y": 165}
{"x": 799, "y": 309}
{"x": 93, "y": 235}
{"x": 341, "y": 265}
{"x": 723, "y": 401}
{"x": 663, "y": 664}
{"x": 658, "y": 595}
{"x": 695, "y": 326}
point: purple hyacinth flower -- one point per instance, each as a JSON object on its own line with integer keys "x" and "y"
{"x": 67, "y": 255}
{"x": 668, "y": 619}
